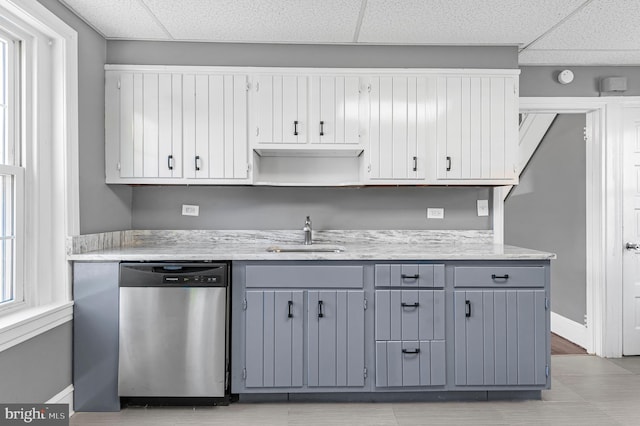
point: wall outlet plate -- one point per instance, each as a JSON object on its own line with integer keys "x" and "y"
{"x": 483, "y": 207}
{"x": 435, "y": 213}
{"x": 190, "y": 210}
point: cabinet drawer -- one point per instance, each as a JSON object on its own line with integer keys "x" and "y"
{"x": 409, "y": 314}
{"x": 409, "y": 275}
{"x": 410, "y": 363}
{"x": 499, "y": 276}
{"x": 304, "y": 276}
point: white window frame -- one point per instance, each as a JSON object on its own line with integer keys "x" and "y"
{"x": 49, "y": 133}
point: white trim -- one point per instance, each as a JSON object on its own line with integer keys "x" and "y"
{"x": 499, "y": 193}
{"x": 65, "y": 396}
{"x": 23, "y": 325}
{"x": 570, "y": 330}
{"x": 532, "y": 131}
{"x": 604, "y": 213}
{"x": 196, "y": 69}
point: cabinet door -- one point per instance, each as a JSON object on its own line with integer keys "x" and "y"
{"x": 215, "y": 126}
{"x": 413, "y": 363}
{"x": 500, "y": 337}
{"x": 336, "y": 338}
{"x": 143, "y": 125}
{"x": 477, "y": 127}
{"x": 409, "y": 315}
{"x": 334, "y": 109}
{"x": 281, "y": 109}
{"x": 398, "y": 120}
{"x": 273, "y": 339}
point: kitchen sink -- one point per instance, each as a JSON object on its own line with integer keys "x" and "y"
{"x": 301, "y": 248}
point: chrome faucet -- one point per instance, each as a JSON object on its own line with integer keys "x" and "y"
{"x": 308, "y": 238}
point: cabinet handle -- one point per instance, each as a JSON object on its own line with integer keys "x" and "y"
{"x": 499, "y": 277}
{"x": 467, "y": 308}
{"x": 410, "y": 277}
{"x": 170, "y": 162}
{"x": 289, "y": 314}
{"x": 320, "y": 308}
{"x": 410, "y": 305}
{"x": 295, "y": 128}
{"x": 321, "y": 128}
{"x": 448, "y": 164}
{"x": 415, "y": 164}
{"x": 407, "y": 351}
{"x": 197, "y": 163}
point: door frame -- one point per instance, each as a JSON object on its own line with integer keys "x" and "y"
{"x": 603, "y": 333}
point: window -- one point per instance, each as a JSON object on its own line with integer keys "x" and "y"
{"x": 11, "y": 176}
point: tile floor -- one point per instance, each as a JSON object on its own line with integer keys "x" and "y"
{"x": 586, "y": 390}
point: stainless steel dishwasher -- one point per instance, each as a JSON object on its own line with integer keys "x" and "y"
{"x": 173, "y": 330}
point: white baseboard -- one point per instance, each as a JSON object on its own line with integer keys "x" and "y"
{"x": 570, "y": 330}
{"x": 65, "y": 396}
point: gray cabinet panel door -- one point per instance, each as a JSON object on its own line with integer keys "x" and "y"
{"x": 409, "y": 314}
{"x": 500, "y": 337}
{"x": 409, "y": 275}
{"x": 273, "y": 339}
{"x": 335, "y": 321}
{"x": 499, "y": 276}
{"x": 304, "y": 276}
{"x": 412, "y": 363}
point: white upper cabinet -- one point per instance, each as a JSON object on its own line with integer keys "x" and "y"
{"x": 176, "y": 127}
{"x": 476, "y": 129}
{"x": 280, "y": 112}
{"x": 399, "y": 123}
{"x": 215, "y": 126}
{"x": 143, "y": 129}
{"x": 304, "y": 126}
{"x": 306, "y": 109}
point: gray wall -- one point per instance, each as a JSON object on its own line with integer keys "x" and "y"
{"x": 286, "y": 208}
{"x": 305, "y": 55}
{"x": 543, "y": 81}
{"x": 547, "y": 211}
{"x": 38, "y": 368}
{"x": 102, "y": 208}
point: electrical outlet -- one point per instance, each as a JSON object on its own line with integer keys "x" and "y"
{"x": 483, "y": 207}
{"x": 190, "y": 210}
{"x": 435, "y": 213}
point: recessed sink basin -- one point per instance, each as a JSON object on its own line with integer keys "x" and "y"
{"x": 301, "y": 248}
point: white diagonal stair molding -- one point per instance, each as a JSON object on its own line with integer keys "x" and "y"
{"x": 533, "y": 127}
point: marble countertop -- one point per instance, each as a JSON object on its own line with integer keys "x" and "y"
{"x": 253, "y": 245}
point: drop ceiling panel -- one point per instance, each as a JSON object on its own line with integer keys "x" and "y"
{"x": 603, "y": 24}
{"x": 293, "y": 21}
{"x": 579, "y": 57}
{"x": 461, "y": 21}
{"x": 118, "y": 18}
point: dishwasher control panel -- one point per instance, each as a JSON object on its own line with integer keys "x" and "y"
{"x": 194, "y": 279}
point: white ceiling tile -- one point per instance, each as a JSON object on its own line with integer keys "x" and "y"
{"x": 579, "y": 57}
{"x": 118, "y": 18}
{"x": 294, "y": 21}
{"x": 603, "y": 24}
{"x": 461, "y": 21}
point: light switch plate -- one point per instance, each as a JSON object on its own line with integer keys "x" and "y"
{"x": 435, "y": 213}
{"x": 483, "y": 207}
{"x": 190, "y": 210}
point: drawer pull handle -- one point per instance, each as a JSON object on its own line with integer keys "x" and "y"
{"x": 170, "y": 162}
{"x": 415, "y": 164}
{"x": 290, "y": 314}
{"x": 410, "y": 305}
{"x": 321, "y": 128}
{"x": 407, "y": 351}
{"x": 467, "y": 308}
{"x": 197, "y": 163}
{"x": 448, "y": 164}
{"x": 320, "y": 309}
{"x": 295, "y": 128}
{"x": 410, "y": 277}
{"x": 499, "y": 277}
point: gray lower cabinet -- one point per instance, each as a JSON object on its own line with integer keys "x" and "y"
{"x": 500, "y": 337}
{"x": 410, "y": 363}
{"x": 276, "y": 332}
{"x": 273, "y": 339}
